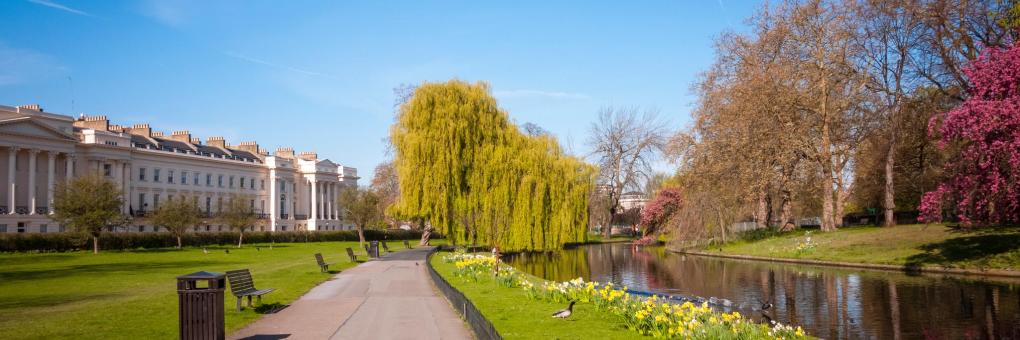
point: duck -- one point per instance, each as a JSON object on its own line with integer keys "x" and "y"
{"x": 565, "y": 313}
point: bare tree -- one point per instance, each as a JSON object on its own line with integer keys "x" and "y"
{"x": 624, "y": 144}
{"x": 238, "y": 215}
{"x": 360, "y": 206}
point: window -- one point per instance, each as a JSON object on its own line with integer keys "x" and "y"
{"x": 107, "y": 169}
{"x": 42, "y": 228}
{"x": 231, "y": 182}
{"x": 155, "y": 201}
{"x": 141, "y": 174}
{"x": 219, "y": 204}
{"x": 208, "y": 204}
{"x": 196, "y": 179}
{"x": 262, "y": 206}
{"x": 262, "y": 184}
{"x": 141, "y": 228}
{"x": 155, "y": 175}
{"x": 242, "y": 182}
{"x": 252, "y": 207}
{"x": 219, "y": 181}
{"x": 251, "y": 184}
{"x": 283, "y": 204}
{"x": 21, "y": 227}
{"x": 169, "y": 197}
{"x": 208, "y": 227}
{"x": 208, "y": 180}
{"x": 170, "y": 176}
{"x": 141, "y": 201}
{"x": 3, "y": 228}
{"x": 184, "y": 178}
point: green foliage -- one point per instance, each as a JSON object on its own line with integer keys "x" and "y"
{"x": 177, "y": 215}
{"x": 237, "y": 215}
{"x": 87, "y": 204}
{"x": 362, "y": 207}
{"x": 60, "y": 242}
{"x": 473, "y": 175}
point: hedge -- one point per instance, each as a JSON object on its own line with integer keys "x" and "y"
{"x": 151, "y": 240}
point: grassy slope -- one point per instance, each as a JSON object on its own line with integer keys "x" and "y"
{"x": 934, "y": 245}
{"x": 132, "y": 294}
{"x": 516, "y": 316}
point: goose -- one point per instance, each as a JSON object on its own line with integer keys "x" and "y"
{"x": 205, "y": 251}
{"x": 565, "y": 313}
{"x": 765, "y": 305}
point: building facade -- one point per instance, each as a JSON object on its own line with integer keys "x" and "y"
{"x": 38, "y": 149}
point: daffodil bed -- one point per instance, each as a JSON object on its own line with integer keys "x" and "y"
{"x": 519, "y": 304}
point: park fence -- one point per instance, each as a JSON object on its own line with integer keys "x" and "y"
{"x": 58, "y": 242}
{"x": 481, "y": 326}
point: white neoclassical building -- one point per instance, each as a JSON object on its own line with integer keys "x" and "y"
{"x": 38, "y": 149}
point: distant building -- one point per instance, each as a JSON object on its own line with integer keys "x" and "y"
{"x": 288, "y": 191}
{"x": 632, "y": 200}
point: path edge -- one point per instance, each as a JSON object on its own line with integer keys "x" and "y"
{"x": 886, "y": 267}
{"x": 480, "y": 326}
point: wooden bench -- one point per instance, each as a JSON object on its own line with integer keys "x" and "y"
{"x": 241, "y": 285}
{"x": 407, "y": 244}
{"x": 323, "y": 266}
{"x": 350, "y": 253}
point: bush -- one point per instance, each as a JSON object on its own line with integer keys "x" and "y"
{"x": 151, "y": 240}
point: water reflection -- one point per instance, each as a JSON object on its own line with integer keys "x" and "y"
{"x": 828, "y": 302}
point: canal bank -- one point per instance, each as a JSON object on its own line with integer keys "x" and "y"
{"x": 873, "y": 266}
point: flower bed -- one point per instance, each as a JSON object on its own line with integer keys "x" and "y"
{"x": 647, "y": 316}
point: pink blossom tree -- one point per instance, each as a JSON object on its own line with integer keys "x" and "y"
{"x": 661, "y": 207}
{"x": 982, "y": 184}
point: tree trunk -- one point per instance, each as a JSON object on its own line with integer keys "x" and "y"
{"x": 608, "y": 230}
{"x": 890, "y": 191}
{"x": 361, "y": 235}
{"x": 837, "y": 218}
{"x": 786, "y": 211}
{"x": 240, "y": 238}
{"x": 827, "y": 202}
{"x": 95, "y": 244}
{"x": 761, "y": 215}
{"x": 178, "y": 241}
{"x": 426, "y": 235}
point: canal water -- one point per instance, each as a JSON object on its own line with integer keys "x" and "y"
{"x": 828, "y": 302}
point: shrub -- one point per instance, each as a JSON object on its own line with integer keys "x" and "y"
{"x": 151, "y": 240}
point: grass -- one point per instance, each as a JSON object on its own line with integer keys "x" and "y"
{"x": 909, "y": 245}
{"x": 132, "y": 294}
{"x": 515, "y": 316}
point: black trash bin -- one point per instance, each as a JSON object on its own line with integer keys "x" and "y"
{"x": 200, "y": 298}
{"x": 373, "y": 248}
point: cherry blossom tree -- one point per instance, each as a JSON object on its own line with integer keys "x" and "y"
{"x": 661, "y": 208}
{"x": 983, "y": 181}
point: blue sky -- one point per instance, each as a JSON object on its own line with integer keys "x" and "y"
{"x": 320, "y": 75}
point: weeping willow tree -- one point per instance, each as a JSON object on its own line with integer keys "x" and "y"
{"x": 473, "y": 175}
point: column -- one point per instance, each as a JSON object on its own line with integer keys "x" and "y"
{"x": 125, "y": 176}
{"x": 330, "y": 194}
{"x": 51, "y": 158}
{"x": 69, "y": 165}
{"x": 315, "y": 199}
{"x": 32, "y": 181}
{"x": 12, "y": 158}
{"x": 289, "y": 203}
{"x": 274, "y": 197}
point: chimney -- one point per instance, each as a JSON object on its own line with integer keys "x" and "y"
{"x": 285, "y": 152}
{"x": 33, "y": 107}
{"x": 181, "y": 136}
{"x": 157, "y": 134}
{"x": 308, "y": 155}
{"x": 252, "y": 147}
{"x": 217, "y": 142}
{"x": 196, "y": 141}
{"x": 263, "y": 152}
{"x": 140, "y": 129}
{"x": 116, "y": 128}
{"x": 93, "y": 122}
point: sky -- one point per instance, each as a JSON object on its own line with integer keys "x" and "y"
{"x": 319, "y": 75}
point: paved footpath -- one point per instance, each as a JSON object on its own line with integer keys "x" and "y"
{"x": 389, "y": 298}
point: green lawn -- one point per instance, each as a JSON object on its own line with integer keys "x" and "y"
{"x": 515, "y": 316}
{"x": 914, "y": 245}
{"x": 132, "y": 294}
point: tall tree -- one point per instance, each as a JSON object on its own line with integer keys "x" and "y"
{"x": 386, "y": 185}
{"x": 237, "y": 215}
{"x": 624, "y": 144}
{"x": 467, "y": 171}
{"x": 360, "y": 206}
{"x": 88, "y": 204}
{"x": 177, "y": 215}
